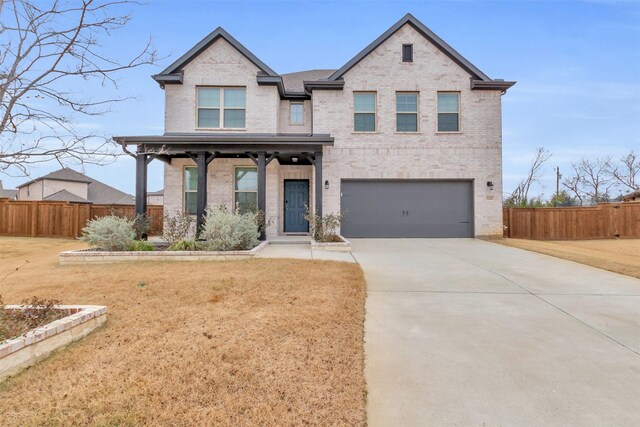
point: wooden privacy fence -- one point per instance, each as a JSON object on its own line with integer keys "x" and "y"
{"x": 603, "y": 221}
{"x": 62, "y": 219}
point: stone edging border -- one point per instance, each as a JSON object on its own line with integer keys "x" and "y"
{"x": 26, "y": 350}
{"x": 102, "y": 257}
{"x": 344, "y": 246}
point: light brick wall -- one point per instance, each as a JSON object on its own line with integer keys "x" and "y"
{"x": 285, "y": 127}
{"x": 475, "y": 153}
{"x": 220, "y": 186}
{"x": 221, "y": 65}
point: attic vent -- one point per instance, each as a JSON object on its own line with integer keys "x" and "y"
{"x": 407, "y": 53}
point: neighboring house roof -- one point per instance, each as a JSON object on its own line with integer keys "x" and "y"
{"x": 156, "y": 193}
{"x": 8, "y": 194}
{"x": 294, "y": 82}
{"x": 97, "y": 192}
{"x": 64, "y": 174}
{"x": 631, "y": 196}
{"x": 65, "y": 196}
{"x": 104, "y": 194}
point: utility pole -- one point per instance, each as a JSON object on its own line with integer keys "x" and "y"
{"x": 558, "y": 176}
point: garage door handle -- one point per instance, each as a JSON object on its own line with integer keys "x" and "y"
{"x": 463, "y": 222}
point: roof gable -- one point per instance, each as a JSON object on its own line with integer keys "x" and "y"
{"x": 424, "y": 31}
{"x": 172, "y": 74}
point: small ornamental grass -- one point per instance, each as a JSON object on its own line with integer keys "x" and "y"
{"x": 226, "y": 230}
{"x": 141, "y": 245}
{"x": 110, "y": 233}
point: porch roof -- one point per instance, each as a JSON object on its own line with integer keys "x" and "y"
{"x": 230, "y": 143}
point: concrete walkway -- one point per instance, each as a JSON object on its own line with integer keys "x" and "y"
{"x": 302, "y": 251}
{"x": 470, "y": 333}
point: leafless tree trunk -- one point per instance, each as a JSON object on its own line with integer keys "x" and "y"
{"x": 520, "y": 195}
{"x": 47, "y": 51}
{"x": 574, "y": 184}
{"x": 627, "y": 173}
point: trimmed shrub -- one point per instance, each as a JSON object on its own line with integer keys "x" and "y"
{"x": 226, "y": 230}
{"x": 325, "y": 228}
{"x": 110, "y": 233}
{"x": 177, "y": 226}
{"x": 141, "y": 245}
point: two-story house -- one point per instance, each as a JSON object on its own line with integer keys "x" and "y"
{"x": 405, "y": 139}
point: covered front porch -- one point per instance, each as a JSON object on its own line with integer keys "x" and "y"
{"x": 275, "y": 172}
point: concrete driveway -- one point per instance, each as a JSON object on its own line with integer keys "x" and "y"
{"x": 469, "y": 333}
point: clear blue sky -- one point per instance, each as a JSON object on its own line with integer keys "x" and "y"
{"x": 576, "y": 63}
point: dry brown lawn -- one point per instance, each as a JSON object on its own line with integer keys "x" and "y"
{"x": 257, "y": 342}
{"x": 621, "y": 256}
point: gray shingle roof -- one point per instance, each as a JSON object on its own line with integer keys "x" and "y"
{"x": 8, "y": 194}
{"x": 65, "y": 196}
{"x": 294, "y": 82}
{"x": 64, "y": 174}
{"x": 97, "y": 192}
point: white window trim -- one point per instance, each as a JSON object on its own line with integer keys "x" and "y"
{"x": 417, "y": 112}
{"x": 374, "y": 112}
{"x": 448, "y": 132}
{"x": 233, "y": 183}
{"x": 221, "y": 107}
{"x": 296, "y": 103}
{"x": 184, "y": 187}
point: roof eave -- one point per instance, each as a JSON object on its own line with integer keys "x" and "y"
{"x": 491, "y": 85}
{"x": 310, "y": 86}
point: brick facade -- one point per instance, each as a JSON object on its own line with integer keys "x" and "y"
{"x": 474, "y": 153}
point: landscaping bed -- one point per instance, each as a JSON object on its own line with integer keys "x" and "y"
{"x": 97, "y": 256}
{"x": 337, "y": 243}
{"x": 249, "y": 342}
{"x": 34, "y": 332}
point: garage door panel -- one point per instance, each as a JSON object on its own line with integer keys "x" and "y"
{"x": 397, "y": 208}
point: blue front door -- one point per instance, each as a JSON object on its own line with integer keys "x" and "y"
{"x": 296, "y": 198}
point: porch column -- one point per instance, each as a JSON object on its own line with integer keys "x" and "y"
{"x": 201, "y": 198}
{"x": 262, "y": 188}
{"x": 319, "y": 183}
{"x": 141, "y": 184}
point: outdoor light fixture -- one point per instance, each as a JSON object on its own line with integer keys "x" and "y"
{"x": 326, "y": 185}
{"x": 294, "y": 159}
{"x": 490, "y": 185}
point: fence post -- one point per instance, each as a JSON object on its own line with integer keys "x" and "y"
{"x": 34, "y": 219}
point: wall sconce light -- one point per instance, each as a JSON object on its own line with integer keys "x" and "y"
{"x": 490, "y": 185}
{"x": 326, "y": 185}
{"x": 294, "y": 159}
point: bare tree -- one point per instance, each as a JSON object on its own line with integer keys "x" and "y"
{"x": 574, "y": 184}
{"x": 520, "y": 196}
{"x": 48, "y": 51}
{"x": 627, "y": 173}
{"x": 591, "y": 180}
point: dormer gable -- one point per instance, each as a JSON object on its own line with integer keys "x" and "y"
{"x": 174, "y": 73}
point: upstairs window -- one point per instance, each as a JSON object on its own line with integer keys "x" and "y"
{"x": 246, "y": 189}
{"x": 296, "y": 113}
{"x": 221, "y": 108}
{"x": 364, "y": 112}
{"x": 407, "y": 53}
{"x": 406, "y": 112}
{"x": 448, "y": 112}
{"x": 190, "y": 190}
